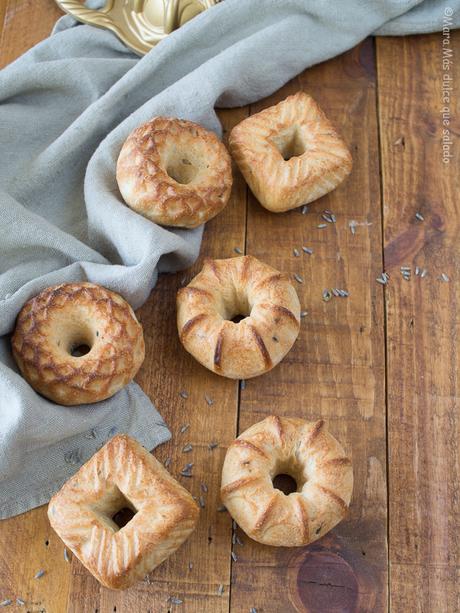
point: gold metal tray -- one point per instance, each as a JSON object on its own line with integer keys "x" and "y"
{"x": 140, "y": 24}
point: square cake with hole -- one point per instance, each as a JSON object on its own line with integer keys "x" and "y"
{"x": 122, "y": 514}
{"x": 290, "y": 154}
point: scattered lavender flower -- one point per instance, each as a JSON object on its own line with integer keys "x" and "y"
{"x": 73, "y": 457}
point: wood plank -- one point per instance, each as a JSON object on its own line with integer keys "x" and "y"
{"x": 167, "y": 371}
{"x": 423, "y": 439}
{"x": 2, "y": 23}
{"x": 423, "y": 322}
{"x": 26, "y": 23}
{"x": 336, "y": 369}
{"x": 27, "y": 545}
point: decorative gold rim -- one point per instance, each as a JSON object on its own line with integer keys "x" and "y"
{"x": 131, "y": 20}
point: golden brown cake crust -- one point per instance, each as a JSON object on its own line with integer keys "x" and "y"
{"x": 238, "y": 286}
{"x": 122, "y": 474}
{"x": 290, "y": 154}
{"x": 174, "y": 172}
{"x": 307, "y": 452}
{"x": 62, "y": 317}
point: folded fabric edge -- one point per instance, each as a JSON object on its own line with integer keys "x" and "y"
{"x": 42, "y": 496}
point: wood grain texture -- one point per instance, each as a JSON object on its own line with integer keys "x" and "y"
{"x": 423, "y": 322}
{"x": 26, "y": 23}
{"x": 335, "y": 370}
{"x": 28, "y": 544}
{"x": 2, "y": 24}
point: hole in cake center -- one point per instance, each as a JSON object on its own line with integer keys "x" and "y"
{"x": 182, "y": 170}
{"x": 285, "y": 483}
{"x": 113, "y": 509}
{"x": 79, "y": 350}
{"x": 290, "y": 143}
{"x": 122, "y": 510}
{"x": 236, "y": 306}
{"x": 79, "y": 343}
{"x": 74, "y": 334}
{"x": 123, "y": 516}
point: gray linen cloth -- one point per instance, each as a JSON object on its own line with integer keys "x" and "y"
{"x": 66, "y": 107}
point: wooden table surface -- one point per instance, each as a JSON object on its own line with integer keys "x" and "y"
{"x": 381, "y": 366}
